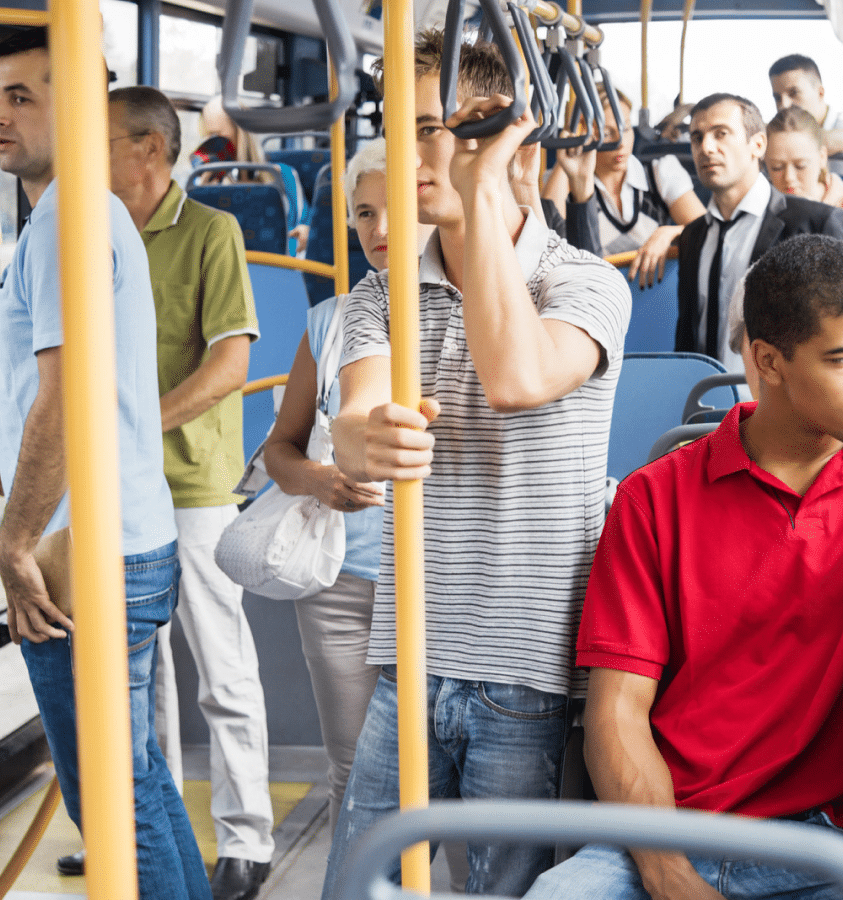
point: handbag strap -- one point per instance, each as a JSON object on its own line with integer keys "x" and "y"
{"x": 328, "y": 364}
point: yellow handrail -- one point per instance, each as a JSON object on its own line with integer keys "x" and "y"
{"x": 282, "y": 261}
{"x": 400, "y": 88}
{"x": 29, "y": 17}
{"x": 338, "y": 199}
{"x": 619, "y": 260}
{"x": 90, "y": 405}
{"x": 32, "y": 838}
{"x": 263, "y": 384}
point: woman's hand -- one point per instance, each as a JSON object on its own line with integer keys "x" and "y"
{"x": 339, "y": 492}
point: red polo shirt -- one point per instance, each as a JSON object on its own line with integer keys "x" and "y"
{"x": 716, "y": 579}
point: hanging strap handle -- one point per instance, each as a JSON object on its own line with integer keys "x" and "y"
{"x": 451, "y": 41}
{"x": 568, "y": 72}
{"x": 596, "y": 105}
{"x": 615, "y": 106}
{"x": 287, "y": 119}
{"x": 544, "y": 104}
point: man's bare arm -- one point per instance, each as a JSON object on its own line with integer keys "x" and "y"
{"x": 834, "y": 141}
{"x": 522, "y": 361}
{"x": 225, "y": 370}
{"x": 40, "y": 483}
{"x": 374, "y": 439}
{"x": 626, "y": 766}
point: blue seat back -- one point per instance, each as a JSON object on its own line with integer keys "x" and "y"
{"x": 306, "y": 162}
{"x": 651, "y": 394}
{"x": 259, "y": 208}
{"x": 281, "y": 304}
{"x": 655, "y": 310}
{"x": 320, "y": 245}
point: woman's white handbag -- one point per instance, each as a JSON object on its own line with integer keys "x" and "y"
{"x": 288, "y": 547}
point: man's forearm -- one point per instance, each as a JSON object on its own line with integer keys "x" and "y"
{"x": 349, "y": 434}
{"x": 626, "y": 766}
{"x": 221, "y": 373}
{"x": 40, "y": 477}
{"x": 834, "y": 141}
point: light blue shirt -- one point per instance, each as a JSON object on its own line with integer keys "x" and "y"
{"x": 362, "y": 529}
{"x": 30, "y": 321}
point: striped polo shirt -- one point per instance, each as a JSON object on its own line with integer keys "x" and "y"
{"x": 515, "y": 502}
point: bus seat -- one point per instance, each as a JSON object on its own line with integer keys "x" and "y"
{"x": 648, "y": 150}
{"x": 260, "y": 208}
{"x": 281, "y": 304}
{"x": 694, "y": 412}
{"x": 307, "y": 163}
{"x": 320, "y": 244}
{"x": 652, "y": 326}
{"x": 651, "y": 395}
{"x": 676, "y": 437}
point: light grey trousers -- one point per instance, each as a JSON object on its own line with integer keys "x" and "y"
{"x": 334, "y": 627}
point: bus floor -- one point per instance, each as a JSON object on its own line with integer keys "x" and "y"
{"x": 302, "y": 834}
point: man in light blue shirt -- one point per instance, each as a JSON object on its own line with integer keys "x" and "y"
{"x": 32, "y": 470}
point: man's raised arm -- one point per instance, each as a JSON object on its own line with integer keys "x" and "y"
{"x": 626, "y": 766}
{"x": 522, "y": 361}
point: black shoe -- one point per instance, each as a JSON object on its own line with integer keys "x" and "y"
{"x": 71, "y": 865}
{"x": 237, "y": 879}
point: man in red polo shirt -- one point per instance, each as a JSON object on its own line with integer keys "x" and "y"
{"x": 713, "y": 621}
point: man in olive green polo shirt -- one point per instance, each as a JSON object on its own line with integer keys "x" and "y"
{"x": 206, "y": 321}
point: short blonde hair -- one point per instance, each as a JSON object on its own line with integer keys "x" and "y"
{"x": 370, "y": 158}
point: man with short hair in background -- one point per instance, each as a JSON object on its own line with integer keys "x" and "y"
{"x": 206, "y": 322}
{"x": 796, "y": 81}
{"x": 744, "y": 218}
{"x": 33, "y": 471}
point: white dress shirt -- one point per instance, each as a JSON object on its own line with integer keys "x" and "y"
{"x": 737, "y": 251}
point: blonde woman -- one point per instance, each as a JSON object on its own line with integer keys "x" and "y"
{"x": 797, "y": 158}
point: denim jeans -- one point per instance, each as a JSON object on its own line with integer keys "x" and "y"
{"x": 599, "y": 872}
{"x": 485, "y": 740}
{"x": 169, "y": 863}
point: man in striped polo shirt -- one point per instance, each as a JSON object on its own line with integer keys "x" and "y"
{"x": 521, "y": 347}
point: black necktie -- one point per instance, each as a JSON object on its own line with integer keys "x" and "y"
{"x": 713, "y": 313}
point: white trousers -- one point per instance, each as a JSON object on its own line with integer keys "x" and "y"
{"x": 210, "y": 610}
{"x": 334, "y": 627}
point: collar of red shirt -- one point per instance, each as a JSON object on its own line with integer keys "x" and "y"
{"x": 728, "y": 456}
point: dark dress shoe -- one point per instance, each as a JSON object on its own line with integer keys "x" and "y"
{"x": 71, "y": 865}
{"x": 237, "y": 879}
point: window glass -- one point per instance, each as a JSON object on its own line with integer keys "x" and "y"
{"x": 188, "y": 56}
{"x": 120, "y": 40}
{"x": 716, "y": 59}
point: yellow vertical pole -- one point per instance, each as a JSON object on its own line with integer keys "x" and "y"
{"x": 338, "y": 205}
{"x": 399, "y": 89}
{"x": 100, "y": 654}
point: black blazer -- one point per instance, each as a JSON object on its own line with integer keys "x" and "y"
{"x": 785, "y": 217}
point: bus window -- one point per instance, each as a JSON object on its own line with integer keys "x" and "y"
{"x": 120, "y": 40}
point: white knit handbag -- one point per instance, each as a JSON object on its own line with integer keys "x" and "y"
{"x": 288, "y": 547}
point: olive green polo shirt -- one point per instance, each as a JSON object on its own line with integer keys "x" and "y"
{"x": 202, "y": 292}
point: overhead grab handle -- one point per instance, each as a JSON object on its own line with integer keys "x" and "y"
{"x": 452, "y": 41}
{"x": 544, "y": 105}
{"x": 568, "y": 72}
{"x": 596, "y": 105}
{"x": 287, "y": 119}
{"x": 615, "y": 106}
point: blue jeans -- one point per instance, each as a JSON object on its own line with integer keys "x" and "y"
{"x": 485, "y": 740}
{"x": 169, "y": 863}
{"x": 598, "y": 872}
